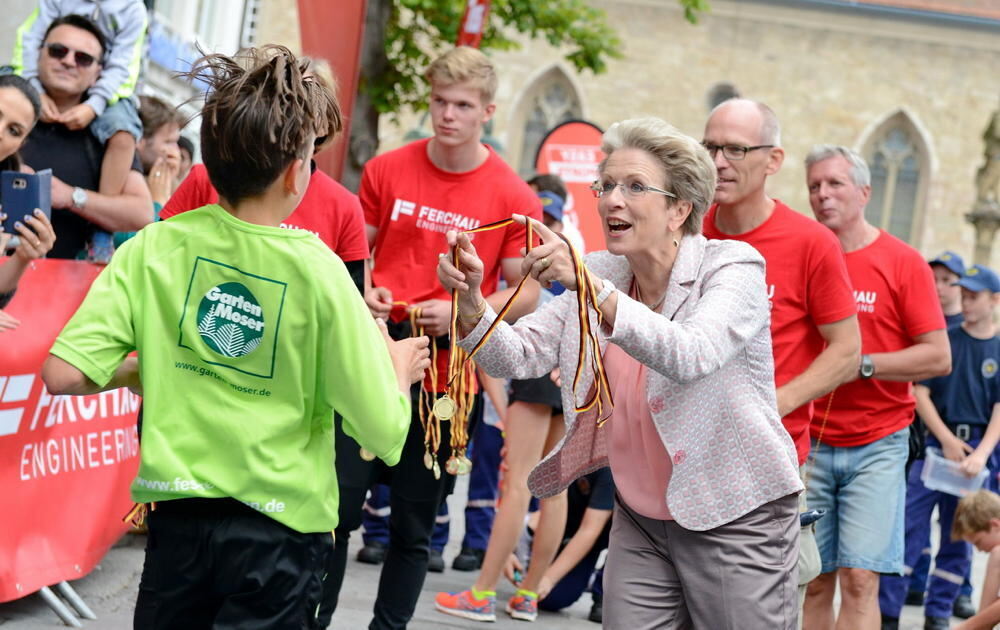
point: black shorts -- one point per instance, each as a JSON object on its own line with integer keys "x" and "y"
{"x": 216, "y": 563}
{"x": 539, "y": 390}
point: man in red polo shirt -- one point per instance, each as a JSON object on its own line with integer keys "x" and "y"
{"x": 814, "y": 326}
{"x": 858, "y": 474}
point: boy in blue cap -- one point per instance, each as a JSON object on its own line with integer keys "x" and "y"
{"x": 960, "y": 411}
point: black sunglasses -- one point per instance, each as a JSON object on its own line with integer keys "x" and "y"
{"x": 58, "y": 51}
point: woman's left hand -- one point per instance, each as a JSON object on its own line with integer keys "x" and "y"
{"x": 549, "y": 262}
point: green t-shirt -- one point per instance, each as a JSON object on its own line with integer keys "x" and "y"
{"x": 249, "y": 337}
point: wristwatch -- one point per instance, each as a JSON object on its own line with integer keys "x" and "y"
{"x": 867, "y": 367}
{"x": 606, "y": 291}
{"x": 79, "y": 198}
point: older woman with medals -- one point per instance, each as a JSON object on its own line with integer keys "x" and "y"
{"x": 667, "y": 376}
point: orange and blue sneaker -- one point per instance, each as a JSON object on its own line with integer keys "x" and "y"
{"x": 467, "y": 605}
{"x": 523, "y": 605}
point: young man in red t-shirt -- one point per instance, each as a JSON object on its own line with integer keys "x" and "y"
{"x": 814, "y": 326}
{"x": 858, "y": 473}
{"x": 411, "y": 197}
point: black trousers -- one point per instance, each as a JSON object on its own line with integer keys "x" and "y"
{"x": 415, "y": 496}
{"x": 218, "y": 564}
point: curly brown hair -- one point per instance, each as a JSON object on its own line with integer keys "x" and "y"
{"x": 262, "y": 113}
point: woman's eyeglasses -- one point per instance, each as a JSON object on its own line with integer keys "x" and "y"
{"x": 631, "y": 190}
{"x": 58, "y": 51}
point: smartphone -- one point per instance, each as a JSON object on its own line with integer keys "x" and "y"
{"x": 21, "y": 193}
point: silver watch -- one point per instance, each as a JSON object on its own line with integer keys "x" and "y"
{"x": 79, "y": 198}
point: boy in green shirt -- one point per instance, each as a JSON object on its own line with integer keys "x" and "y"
{"x": 249, "y": 336}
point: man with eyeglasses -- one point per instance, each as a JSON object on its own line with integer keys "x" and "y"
{"x": 75, "y": 155}
{"x": 814, "y": 325}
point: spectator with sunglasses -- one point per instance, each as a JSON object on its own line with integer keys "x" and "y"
{"x": 109, "y": 111}
{"x": 76, "y": 156}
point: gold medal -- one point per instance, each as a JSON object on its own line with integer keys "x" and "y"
{"x": 445, "y": 408}
{"x": 428, "y": 460}
{"x": 367, "y": 455}
{"x": 437, "y": 470}
{"x": 452, "y": 466}
{"x": 464, "y": 465}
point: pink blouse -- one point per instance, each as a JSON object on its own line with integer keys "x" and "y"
{"x": 639, "y": 461}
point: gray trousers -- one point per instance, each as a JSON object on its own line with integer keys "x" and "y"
{"x": 741, "y": 575}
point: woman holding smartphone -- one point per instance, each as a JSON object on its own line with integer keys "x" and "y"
{"x": 19, "y": 110}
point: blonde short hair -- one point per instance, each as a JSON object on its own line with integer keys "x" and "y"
{"x": 690, "y": 170}
{"x": 464, "y": 64}
{"x": 974, "y": 513}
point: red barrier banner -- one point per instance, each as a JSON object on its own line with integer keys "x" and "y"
{"x": 473, "y": 23}
{"x": 572, "y": 150}
{"x": 66, "y": 462}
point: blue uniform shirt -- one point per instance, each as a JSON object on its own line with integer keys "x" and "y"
{"x": 967, "y": 395}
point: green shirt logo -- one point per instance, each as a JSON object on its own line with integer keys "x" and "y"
{"x": 230, "y": 320}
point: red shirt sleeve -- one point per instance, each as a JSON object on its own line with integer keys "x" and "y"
{"x": 194, "y": 192}
{"x": 831, "y": 296}
{"x": 369, "y": 197}
{"x": 352, "y": 242}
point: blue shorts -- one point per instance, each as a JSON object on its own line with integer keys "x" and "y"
{"x": 119, "y": 116}
{"x": 863, "y": 490}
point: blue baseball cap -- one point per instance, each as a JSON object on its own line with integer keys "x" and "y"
{"x": 552, "y": 204}
{"x": 980, "y": 278}
{"x": 950, "y": 261}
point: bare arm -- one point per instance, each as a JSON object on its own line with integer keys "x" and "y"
{"x": 952, "y": 447}
{"x": 579, "y": 545}
{"x": 929, "y": 356}
{"x": 62, "y": 377}
{"x": 976, "y": 461}
{"x": 127, "y": 212}
{"x": 836, "y": 364}
{"x": 989, "y": 605}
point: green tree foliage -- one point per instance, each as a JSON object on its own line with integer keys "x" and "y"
{"x": 418, "y": 29}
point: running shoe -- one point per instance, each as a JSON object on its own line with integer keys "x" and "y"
{"x": 523, "y": 607}
{"x": 464, "y": 605}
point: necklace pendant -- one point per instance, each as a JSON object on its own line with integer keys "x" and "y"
{"x": 445, "y": 408}
{"x": 437, "y": 470}
{"x": 428, "y": 460}
{"x": 367, "y": 455}
{"x": 464, "y": 465}
{"x": 452, "y": 465}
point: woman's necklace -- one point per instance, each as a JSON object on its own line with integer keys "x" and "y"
{"x": 638, "y": 296}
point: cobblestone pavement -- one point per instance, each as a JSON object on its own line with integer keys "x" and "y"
{"x": 111, "y": 588}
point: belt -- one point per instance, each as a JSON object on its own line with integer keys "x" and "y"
{"x": 965, "y": 431}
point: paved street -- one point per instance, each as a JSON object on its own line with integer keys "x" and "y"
{"x": 110, "y": 591}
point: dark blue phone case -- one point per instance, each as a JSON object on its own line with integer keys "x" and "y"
{"x": 21, "y": 193}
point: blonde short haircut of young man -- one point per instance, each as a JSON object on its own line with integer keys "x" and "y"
{"x": 461, "y": 65}
{"x": 974, "y": 513}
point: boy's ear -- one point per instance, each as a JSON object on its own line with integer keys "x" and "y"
{"x": 290, "y": 177}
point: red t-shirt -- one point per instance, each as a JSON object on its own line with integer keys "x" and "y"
{"x": 894, "y": 290}
{"x": 412, "y": 203}
{"x": 808, "y": 286}
{"x": 328, "y": 210}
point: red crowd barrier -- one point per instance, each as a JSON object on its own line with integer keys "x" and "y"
{"x": 66, "y": 462}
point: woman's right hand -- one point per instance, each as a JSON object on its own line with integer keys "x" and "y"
{"x": 467, "y": 278}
